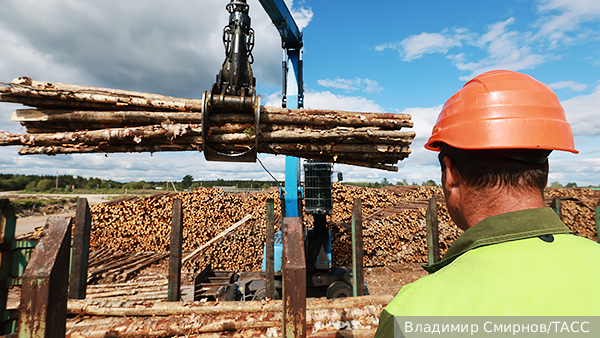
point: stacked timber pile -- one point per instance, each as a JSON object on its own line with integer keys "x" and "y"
{"x": 578, "y": 209}
{"x": 76, "y": 119}
{"x": 393, "y": 224}
{"x": 144, "y": 225}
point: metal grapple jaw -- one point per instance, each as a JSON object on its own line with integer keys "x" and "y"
{"x": 234, "y": 90}
{"x": 214, "y": 109}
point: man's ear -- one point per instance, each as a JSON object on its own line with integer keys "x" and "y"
{"x": 453, "y": 176}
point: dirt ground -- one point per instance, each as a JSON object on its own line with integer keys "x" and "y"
{"x": 389, "y": 280}
{"x": 28, "y": 222}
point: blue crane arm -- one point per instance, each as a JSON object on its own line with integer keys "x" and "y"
{"x": 291, "y": 40}
{"x": 282, "y": 19}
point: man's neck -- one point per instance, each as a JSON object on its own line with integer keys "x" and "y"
{"x": 481, "y": 203}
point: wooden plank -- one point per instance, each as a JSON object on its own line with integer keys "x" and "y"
{"x": 81, "y": 250}
{"x": 597, "y": 217}
{"x": 556, "y": 206}
{"x": 43, "y": 308}
{"x": 433, "y": 240}
{"x": 174, "y": 293}
{"x": 294, "y": 279}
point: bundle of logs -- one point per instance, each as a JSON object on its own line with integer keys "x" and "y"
{"x": 393, "y": 224}
{"x": 342, "y": 317}
{"x": 75, "y": 119}
{"x": 153, "y": 290}
{"x": 119, "y": 265}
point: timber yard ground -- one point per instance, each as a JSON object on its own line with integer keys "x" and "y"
{"x": 135, "y": 231}
{"x": 380, "y": 280}
{"x": 388, "y": 265}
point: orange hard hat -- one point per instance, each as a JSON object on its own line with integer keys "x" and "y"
{"x": 503, "y": 109}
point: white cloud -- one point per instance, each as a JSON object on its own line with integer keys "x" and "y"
{"x": 366, "y": 85}
{"x": 574, "y": 86}
{"x": 302, "y": 16}
{"x": 327, "y": 100}
{"x": 173, "y": 48}
{"x": 495, "y": 31}
{"x": 570, "y": 15}
{"x": 582, "y": 113}
{"x": 573, "y": 168}
{"x": 131, "y": 44}
{"x": 415, "y": 46}
{"x": 505, "y": 50}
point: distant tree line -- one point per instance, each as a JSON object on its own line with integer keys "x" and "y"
{"x": 385, "y": 182}
{"x": 10, "y": 182}
{"x": 65, "y": 183}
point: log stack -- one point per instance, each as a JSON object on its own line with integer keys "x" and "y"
{"x": 144, "y": 225}
{"x": 342, "y": 317}
{"x": 393, "y": 227}
{"x": 578, "y": 209}
{"x": 75, "y": 119}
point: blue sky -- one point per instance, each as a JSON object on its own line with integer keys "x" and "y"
{"x": 392, "y": 56}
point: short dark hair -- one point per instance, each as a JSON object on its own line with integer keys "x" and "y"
{"x": 483, "y": 169}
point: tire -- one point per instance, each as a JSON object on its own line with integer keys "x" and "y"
{"x": 261, "y": 294}
{"x": 339, "y": 289}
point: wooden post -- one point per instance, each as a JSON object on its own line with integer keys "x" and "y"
{"x": 8, "y": 223}
{"x": 433, "y": 240}
{"x": 556, "y": 206}
{"x": 81, "y": 250}
{"x": 43, "y": 309}
{"x": 294, "y": 279}
{"x": 270, "y": 249}
{"x": 174, "y": 293}
{"x": 358, "y": 281}
{"x": 598, "y": 222}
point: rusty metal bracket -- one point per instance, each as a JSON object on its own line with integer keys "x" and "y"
{"x": 270, "y": 249}
{"x": 81, "y": 250}
{"x": 358, "y": 279}
{"x": 8, "y": 223}
{"x": 294, "y": 279}
{"x": 43, "y": 309}
{"x": 174, "y": 292}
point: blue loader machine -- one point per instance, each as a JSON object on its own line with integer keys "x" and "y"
{"x": 234, "y": 90}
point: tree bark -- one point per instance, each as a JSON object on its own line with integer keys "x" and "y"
{"x": 78, "y": 119}
{"x": 117, "y": 98}
{"x": 333, "y": 119}
{"x": 75, "y": 307}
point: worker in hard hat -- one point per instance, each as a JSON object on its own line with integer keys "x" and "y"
{"x": 516, "y": 257}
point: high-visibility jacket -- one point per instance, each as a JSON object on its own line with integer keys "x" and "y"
{"x": 523, "y": 263}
